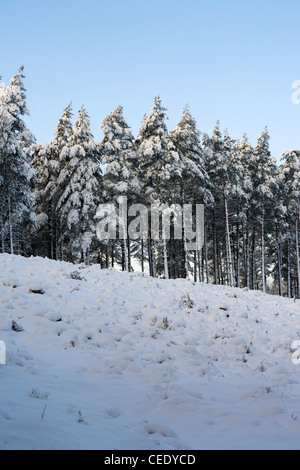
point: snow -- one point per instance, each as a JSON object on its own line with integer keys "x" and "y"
{"x": 110, "y": 360}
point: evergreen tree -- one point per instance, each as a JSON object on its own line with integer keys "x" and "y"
{"x": 186, "y": 139}
{"x": 278, "y": 228}
{"x": 121, "y": 176}
{"x": 238, "y": 201}
{"x": 160, "y": 161}
{"x": 246, "y": 158}
{"x": 196, "y": 187}
{"x": 216, "y": 166}
{"x": 80, "y": 184}
{"x": 48, "y": 165}
{"x": 161, "y": 169}
{"x": 16, "y": 173}
{"x": 264, "y": 185}
{"x": 224, "y": 166}
{"x": 290, "y": 180}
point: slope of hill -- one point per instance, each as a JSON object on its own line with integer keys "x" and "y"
{"x": 109, "y": 360}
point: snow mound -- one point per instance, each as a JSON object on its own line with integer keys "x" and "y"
{"x": 109, "y": 360}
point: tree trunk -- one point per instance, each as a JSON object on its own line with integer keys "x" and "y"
{"x": 289, "y": 291}
{"x": 200, "y": 264}
{"x": 238, "y": 259}
{"x": 279, "y": 269}
{"x": 153, "y": 255}
{"x": 206, "y": 255}
{"x": 10, "y": 227}
{"x": 247, "y": 256}
{"x": 185, "y": 253}
{"x": 129, "y": 254}
{"x": 107, "y": 254}
{"x": 220, "y": 267}
{"x": 112, "y": 249}
{"x": 166, "y": 260}
{"x": 142, "y": 261}
{"x": 2, "y": 236}
{"x": 297, "y": 252}
{"x": 195, "y": 266}
{"x": 253, "y": 259}
{"x": 263, "y": 267}
{"x": 150, "y": 257}
{"x": 56, "y": 239}
{"x": 230, "y": 273}
{"x": 215, "y": 249}
{"x": 125, "y": 255}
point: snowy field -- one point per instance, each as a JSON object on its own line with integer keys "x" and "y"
{"x": 108, "y": 360}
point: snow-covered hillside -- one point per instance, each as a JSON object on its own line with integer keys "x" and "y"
{"x": 110, "y": 360}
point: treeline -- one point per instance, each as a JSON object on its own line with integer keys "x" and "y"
{"x": 49, "y": 195}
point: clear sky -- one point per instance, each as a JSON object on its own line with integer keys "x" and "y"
{"x": 232, "y": 60}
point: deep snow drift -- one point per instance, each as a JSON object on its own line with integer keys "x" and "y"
{"x": 110, "y": 360}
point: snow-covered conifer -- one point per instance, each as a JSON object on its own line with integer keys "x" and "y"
{"x": 48, "y": 165}
{"x": 290, "y": 179}
{"x": 80, "y": 181}
{"x": 196, "y": 186}
{"x": 264, "y": 185}
{"x": 119, "y": 155}
{"x": 161, "y": 169}
{"x": 16, "y": 172}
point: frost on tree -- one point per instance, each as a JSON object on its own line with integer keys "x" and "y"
{"x": 119, "y": 155}
{"x": 48, "y": 166}
{"x": 264, "y": 185}
{"x": 289, "y": 177}
{"x": 80, "y": 183}
{"x": 16, "y": 173}
{"x": 187, "y": 139}
{"x": 245, "y": 209}
{"x": 197, "y": 187}
{"x": 161, "y": 171}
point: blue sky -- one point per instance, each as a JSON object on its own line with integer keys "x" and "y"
{"x": 230, "y": 60}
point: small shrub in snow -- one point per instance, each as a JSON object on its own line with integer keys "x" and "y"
{"x": 15, "y": 327}
{"x": 76, "y": 276}
{"x": 37, "y": 291}
{"x": 35, "y": 393}
{"x": 261, "y": 367}
{"x": 186, "y": 301}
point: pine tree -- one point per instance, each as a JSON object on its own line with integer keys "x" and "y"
{"x": 160, "y": 161}
{"x": 264, "y": 185}
{"x": 16, "y": 173}
{"x": 246, "y": 157}
{"x": 80, "y": 182}
{"x": 119, "y": 154}
{"x": 290, "y": 179}
{"x": 277, "y": 213}
{"x": 161, "y": 169}
{"x": 238, "y": 201}
{"x": 47, "y": 164}
{"x": 196, "y": 187}
{"x": 224, "y": 165}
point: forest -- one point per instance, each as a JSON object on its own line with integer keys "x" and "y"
{"x": 50, "y": 193}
